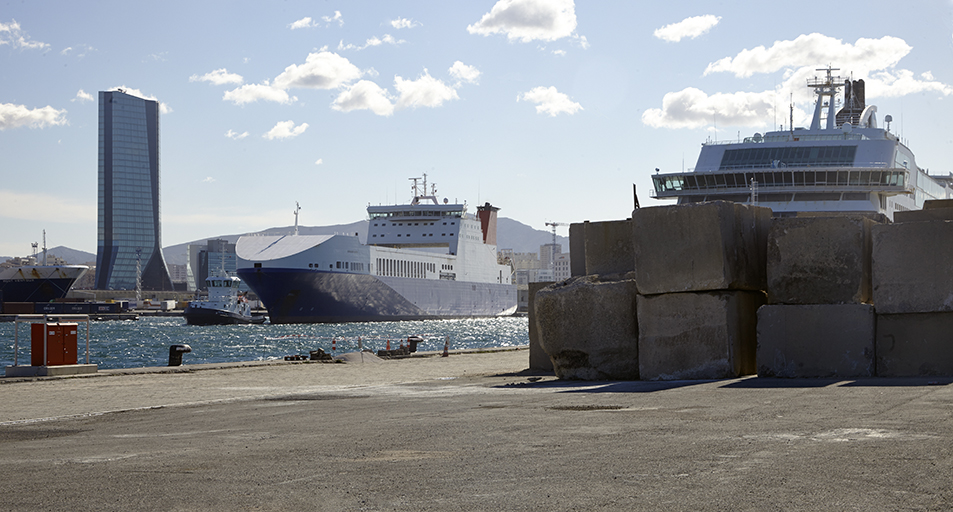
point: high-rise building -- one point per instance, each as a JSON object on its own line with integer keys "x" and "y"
{"x": 130, "y": 240}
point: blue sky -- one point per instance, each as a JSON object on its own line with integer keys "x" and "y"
{"x": 548, "y": 109}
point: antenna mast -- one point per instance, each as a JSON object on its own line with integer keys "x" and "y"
{"x": 297, "y": 209}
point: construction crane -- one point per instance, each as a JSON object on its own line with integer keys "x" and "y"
{"x": 552, "y": 252}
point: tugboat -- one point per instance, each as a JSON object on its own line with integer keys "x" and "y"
{"x": 225, "y": 305}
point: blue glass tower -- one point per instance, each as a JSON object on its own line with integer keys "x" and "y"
{"x": 129, "y": 222}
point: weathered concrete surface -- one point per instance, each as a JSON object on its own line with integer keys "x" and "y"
{"x": 819, "y": 260}
{"x": 828, "y": 340}
{"x": 911, "y": 267}
{"x": 587, "y": 326}
{"x": 924, "y": 214}
{"x": 609, "y": 247}
{"x": 470, "y": 432}
{"x": 577, "y": 249}
{"x": 915, "y": 344}
{"x": 700, "y": 247}
{"x": 538, "y": 358}
{"x": 698, "y": 335}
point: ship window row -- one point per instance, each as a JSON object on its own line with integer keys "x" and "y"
{"x": 353, "y": 266}
{"x": 408, "y": 235}
{"x": 815, "y": 156}
{"x": 704, "y": 181}
{"x": 403, "y": 268}
{"x": 422, "y": 213}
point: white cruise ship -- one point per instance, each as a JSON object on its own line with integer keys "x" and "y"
{"x": 845, "y": 163}
{"x": 422, "y": 260}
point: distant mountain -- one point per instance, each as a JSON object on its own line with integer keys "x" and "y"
{"x": 72, "y": 256}
{"x": 510, "y": 234}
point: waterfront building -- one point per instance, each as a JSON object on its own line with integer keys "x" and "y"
{"x": 129, "y": 226}
{"x": 212, "y": 256}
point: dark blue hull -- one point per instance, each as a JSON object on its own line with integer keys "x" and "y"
{"x": 34, "y": 290}
{"x": 303, "y": 296}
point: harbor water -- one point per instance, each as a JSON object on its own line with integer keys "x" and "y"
{"x": 145, "y": 342}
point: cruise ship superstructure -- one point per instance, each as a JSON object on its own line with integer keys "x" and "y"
{"x": 844, "y": 163}
{"x": 422, "y": 260}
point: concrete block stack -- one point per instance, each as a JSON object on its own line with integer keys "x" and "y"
{"x": 608, "y": 247}
{"x": 913, "y": 294}
{"x": 819, "y": 321}
{"x": 700, "y": 274}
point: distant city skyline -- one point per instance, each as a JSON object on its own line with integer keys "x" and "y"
{"x": 548, "y": 109}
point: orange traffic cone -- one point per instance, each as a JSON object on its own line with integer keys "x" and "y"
{"x": 446, "y": 347}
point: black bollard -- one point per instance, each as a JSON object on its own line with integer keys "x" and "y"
{"x": 412, "y": 342}
{"x": 175, "y": 354}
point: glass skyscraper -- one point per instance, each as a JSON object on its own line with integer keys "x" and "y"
{"x": 129, "y": 222}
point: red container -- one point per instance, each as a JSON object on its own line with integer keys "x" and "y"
{"x": 61, "y": 344}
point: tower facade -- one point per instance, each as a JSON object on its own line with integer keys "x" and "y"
{"x": 129, "y": 228}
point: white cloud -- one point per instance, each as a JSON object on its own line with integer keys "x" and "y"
{"x": 550, "y": 101}
{"x": 83, "y": 96}
{"x": 336, "y": 18}
{"x": 235, "y": 135}
{"x": 528, "y": 20}
{"x": 305, "y": 22}
{"x": 693, "y": 108}
{"x": 400, "y": 23}
{"x": 250, "y": 93}
{"x": 425, "y": 91}
{"x": 322, "y": 70}
{"x": 689, "y": 27}
{"x": 464, "y": 73}
{"x": 285, "y": 130}
{"x": 163, "y": 107}
{"x": 815, "y": 50}
{"x": 209, "y": 179}
{"x": 373, "y": 41}
{"x": 561, "y": 53}
{"x": 16, "y": 116}
{"x": 218, "y": 77}
{"x": 364, "y": 95}
{"x": 873, "y": 60}
{"x": 11, "y": 34}
{"x": 319, "y": 162}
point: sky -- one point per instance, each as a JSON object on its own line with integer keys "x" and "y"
{"x": 548, "y": 109}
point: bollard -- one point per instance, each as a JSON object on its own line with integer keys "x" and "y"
{"x": 412, "y": 342}
{"x": 175, "y": 354}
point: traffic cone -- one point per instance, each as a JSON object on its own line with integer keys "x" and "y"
{"x": 446, "y": 347}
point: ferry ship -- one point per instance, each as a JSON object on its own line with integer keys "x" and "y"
{"x": 422, "y": 260}
{"x": 850, "y": 165}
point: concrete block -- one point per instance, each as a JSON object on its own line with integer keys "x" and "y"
{"x": 911, "y": 270}
{"x": 916, "y": 344}
{"x": 923, "y": 215}
{"x": 698, "y": 335}
{"x": 819, "y": 260}
{"x": 577, "y": 249}
{"x": 825, "y": 340}
{"x": 538, "y": 358}
{"x": 609, "y": 247}
{"x": 700, "y": 247}
{"x": 588, "y": 328}
{"x": 939, "y": 204}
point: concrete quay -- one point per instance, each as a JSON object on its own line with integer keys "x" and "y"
{"x": 469, "y": 432}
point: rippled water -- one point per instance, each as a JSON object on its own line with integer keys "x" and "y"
{"x": 145, "y": 342}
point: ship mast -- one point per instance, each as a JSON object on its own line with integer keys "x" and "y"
{"x": 825, "y": 87}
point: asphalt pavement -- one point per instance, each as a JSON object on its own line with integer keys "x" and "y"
{"x": 468, "y": 432}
